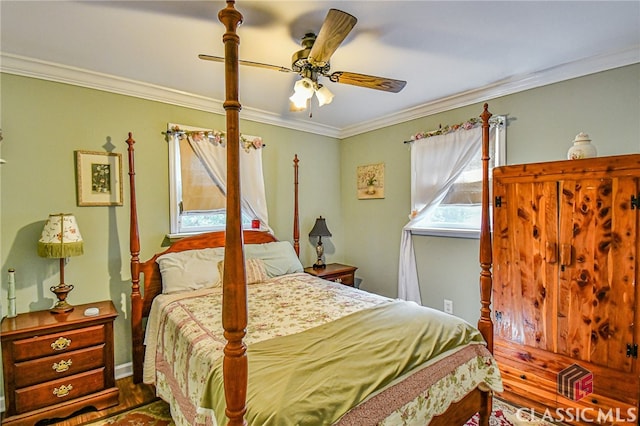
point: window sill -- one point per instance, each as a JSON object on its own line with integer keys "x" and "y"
{"x": 447, "y": 232}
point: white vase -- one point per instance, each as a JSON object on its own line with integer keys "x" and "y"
{"x": 581, "y": 148}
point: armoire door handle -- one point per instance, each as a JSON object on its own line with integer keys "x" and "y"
{"x": 565, "y": 254}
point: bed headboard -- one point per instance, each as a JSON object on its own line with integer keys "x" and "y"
{"x": 150, "y": 270}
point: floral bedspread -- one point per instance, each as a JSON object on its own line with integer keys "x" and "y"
{"x": 185, "y": 338}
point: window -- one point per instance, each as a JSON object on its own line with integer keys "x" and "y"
{"x": 197, "y": 168}
{"x": 458, "y": 211}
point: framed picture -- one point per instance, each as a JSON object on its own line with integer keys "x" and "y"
{"x": 99, "y": 178}
{"x": 370, "y": 181}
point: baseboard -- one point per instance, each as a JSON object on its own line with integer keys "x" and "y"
{"x": 124, "y": 370}
{"x": 121, "y": 371}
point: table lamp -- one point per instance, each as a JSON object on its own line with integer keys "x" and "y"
{"x": 319, "y": 230}
{"x": 60, "y": 239}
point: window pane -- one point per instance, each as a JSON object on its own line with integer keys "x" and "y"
{"x": 204, "y": 221}
{"x": 199, "y": 191}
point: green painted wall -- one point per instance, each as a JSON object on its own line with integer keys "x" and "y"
{"x": 44, "y": 122}
{"x": 542, "y": 125}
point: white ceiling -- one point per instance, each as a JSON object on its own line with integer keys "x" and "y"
{"x": 450, "y": 53}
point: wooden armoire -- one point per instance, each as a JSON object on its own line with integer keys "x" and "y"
{"x": 565, "y": 292}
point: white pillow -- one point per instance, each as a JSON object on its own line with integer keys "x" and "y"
{"x": 279, "y": 257}
{"x": 190, "y": 269}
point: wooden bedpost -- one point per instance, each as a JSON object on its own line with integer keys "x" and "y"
{"x": 134, "y": 245}
{"x": 296, "y": 218}
{"x": 234, "y": 291}
{"x": 485, "y": 324}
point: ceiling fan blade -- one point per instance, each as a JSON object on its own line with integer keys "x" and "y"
{"x": 248, "y": 63}
{"x": 369, "y": 81}
{"x": 335, "y": 28}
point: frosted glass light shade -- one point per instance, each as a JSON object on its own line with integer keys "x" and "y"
{"x": 304, "y": 87}
{"x": 324, "y": 95}
{"x": 299, "y": 101}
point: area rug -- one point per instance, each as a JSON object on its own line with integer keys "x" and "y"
{"x": 153, "y": 414}
{"x": 157, "y": 414}
{"x": 505, "y": 414}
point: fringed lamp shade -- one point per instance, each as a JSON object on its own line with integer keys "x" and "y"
{"x": 60, "y": 239}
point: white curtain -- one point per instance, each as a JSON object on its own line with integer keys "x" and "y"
{"x": 214, "y": 158}
{"x": 436, "y": 162}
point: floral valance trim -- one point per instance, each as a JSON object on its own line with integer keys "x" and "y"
{"x": 215, "y": 137}
{"x": 467, "y": 125}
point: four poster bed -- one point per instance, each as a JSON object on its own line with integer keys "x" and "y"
{"x": 229, "y": 329}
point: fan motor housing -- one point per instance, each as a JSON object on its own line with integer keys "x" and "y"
{"x": 300, "y": 63}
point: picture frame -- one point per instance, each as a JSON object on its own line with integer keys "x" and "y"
{"x": 98, "y": 178}
{"x": 370, "y": 181}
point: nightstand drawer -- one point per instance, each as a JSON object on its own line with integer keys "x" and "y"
{"x": 56, "y": 391}
{"x": 57, "y": 343}
{"x": 336, "y": 272}
{"x": 346, "y": 279}
{"x": 58, "y": 366}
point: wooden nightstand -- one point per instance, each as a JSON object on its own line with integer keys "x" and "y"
{"x": 56, "y": 364}
{"x": 335, "y": 272}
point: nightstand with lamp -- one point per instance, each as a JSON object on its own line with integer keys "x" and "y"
{"x": 61, "y": 239}
{"x": 58, "y": 361}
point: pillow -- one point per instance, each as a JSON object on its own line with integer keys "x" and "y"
{"x": 254, "y": 270}
{"x": 279, "y": 257}
{"x": 190, "y": 269}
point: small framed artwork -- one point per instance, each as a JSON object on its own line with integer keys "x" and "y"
{"x": 99, "y": 178}
{"x": 370, "y": 181}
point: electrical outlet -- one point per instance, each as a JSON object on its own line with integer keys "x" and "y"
{"x": 448, "y": 306}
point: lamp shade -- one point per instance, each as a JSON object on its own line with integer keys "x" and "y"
{"x": 60, "y": 237}
{"x": 304, "y": 87}
{"x": 324, "y": 95}
{"x": 320, "y": 229}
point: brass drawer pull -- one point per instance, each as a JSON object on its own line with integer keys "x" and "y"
{"x": 62, "y": 366}
{"x": 62, "y": 391}
{"x": 61, "y": 344}
{"x": 339, "y": 280}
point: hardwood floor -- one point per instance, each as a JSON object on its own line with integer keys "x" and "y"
{"x": 130, "y": 396}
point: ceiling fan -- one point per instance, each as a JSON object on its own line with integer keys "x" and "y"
{"x": 313, "y": 61}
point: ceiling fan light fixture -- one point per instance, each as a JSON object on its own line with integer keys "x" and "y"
{"x": 303, "y": 88}
{"x": 324, "y": 95}
{"x": 299, "y": 101}
{"x": 294, "y": 107}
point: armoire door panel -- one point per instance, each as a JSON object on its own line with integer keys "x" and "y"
{"x": 526, "y": 304}
{"x": 597, "y": 288}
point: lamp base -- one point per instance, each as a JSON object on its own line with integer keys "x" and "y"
{"x": 319, "y": 265}
{"x": 62, "y": 306}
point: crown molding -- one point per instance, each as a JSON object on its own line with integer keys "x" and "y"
{"x": 44, "y": 70}
{"x": 29, "y": 67}
{"x": 504, "y": 87}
